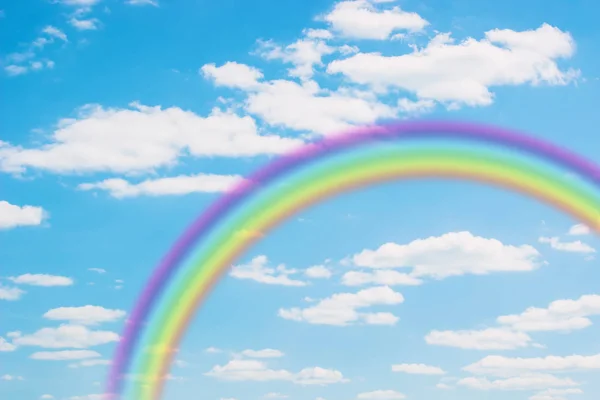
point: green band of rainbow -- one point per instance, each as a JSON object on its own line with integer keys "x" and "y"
{"x": 223, "y": 248}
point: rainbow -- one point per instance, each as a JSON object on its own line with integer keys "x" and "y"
{"x": 312, "y": 174}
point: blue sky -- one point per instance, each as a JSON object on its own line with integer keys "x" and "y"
{"x": 123, "y": 120}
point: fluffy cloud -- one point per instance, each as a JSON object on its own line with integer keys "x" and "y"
{"x": 579, "y": 230}
{"x": 560, "y": 315}
{"x": 523, "y": 382}
{"x": 379, "y": 277}
{"x": 85, "y": 315}
{"x": 10, "y": 293}
{"x": 342, "y": 308}
{"x": 139, "y": 139}
{"x": 254, "y": 370}
{"x": 418, "y": 369}
{"x": 463, "y": 73}
{"x": 576, "y": 246}
{"x": 66, "y": 336}
{"x": 6, "y": 346}
{"x": 258, "y": 271}
{"x": 178, "y": 185}
{"x": 64, "y": 355}
{"x": 89, "y": 363}
{"x": 452, "y": 254}
{"x": 381, "y": 395}
{"x": 42, "y": 280}
{"x": 508, "y": 366}
{"x": 360, "y": 19}
{"x": 318, "y": 272}
{"x": 486, "y": 339}
{"x": 232, "y": 74}
{"x": 11, "y": 378}
{"x": 12, "y": 216}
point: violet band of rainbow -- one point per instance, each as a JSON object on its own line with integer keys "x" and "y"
{"x": 310, "y": 153}
{"x": 423, "y": 164}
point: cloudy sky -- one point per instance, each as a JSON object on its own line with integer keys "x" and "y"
{"x": 123, "y": 119}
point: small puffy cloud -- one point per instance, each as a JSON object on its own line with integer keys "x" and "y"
{"x": 275, "y": 395}
{"x": 342, "y": 309}
{"x": 576, "y": 246}
{"x": 98, "y": 270}
{"x": 143, "y": 2}
{"x": 522, "y": 382}
{"x": 485, "y": 339}
{"x": 318, "y": 272}
{"x": 66, "y": 336}
{"x": 42, "y": 280}
{"x": 213, "y": 350}
{"x": 232, "y": 74}
{"x": 452, "y": 254}
{"x": 177, "y": 185}
{"x": 85, "y": 315}
{"x": 560, "y": 315}
{"x": 89, "y": 363}
{"x": 10, "y": 293}
{"x": 64, "y": 355}
{"x": 510, "y": 366}
{"x": 12, "y": 216}
{"x": 15, "y": 70}
{"x": 418, "y": 369}
{"x": 6, "y": 346}
{"x": 555, "y": 394}
{"x": 360, "y": 19}
{"x": 579, "y": 230}
{"x": 258, "y": 271}
{"x": 54, "y": 32}
{"x": 84, "y": 24}
{"x": 381, "y": 395}
{"x": 264, "y": 353}
{"x": 46, "y": 397}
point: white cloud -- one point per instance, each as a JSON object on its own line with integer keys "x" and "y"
{"x": 42, "y": 280}
{"x": 304, "y": 54}
{"x": 54, "y": 32}
{"x": 213, "y": 350}
{"x": 12, "y": 216}
{"x": 64, "y": 355}
{"x": 254, "y": 370}
{"x": 15, "y": 70}
{"x": 232, "y": 74}
{"x": 89, "y": 363}
{"x": 379, "y": 277}
{"x": 89, "y": 397}
{"x": 416, "y": 106}
{"x": 317, "y": 34}
{"x": 361, "y": 20}
{"x": 463, "y": 73}
{"x": 264, "y": 353}
{"x": 46, "y": 396}
{"x": 523, "y": 382}
{"x": 11, "y": 378}
{"x": 84, "y": 24}
{"x": 143, "y": 3}
{"x": 10, "y": 293}
{"x": 318, "y": 272}
{"x": 576, "y": 246}
{"x": 140, "y": 139}
{"x": 342, "y": 308}
{"x": 418, "y": 369}
{"x": 507, "y": 366}
{"x": 67, "y": 336}
{"x": 452, "y": 254}
{"x": 486, "y": 339}
{"x": 555, "y": 394}
{"x": 560, "y": 315}
{"x": 443, "y": 386}
{"x": 381, "y": 395}
{"x": 85, "y": 315}
{"x": 98, "y": 270}
{"x": 579, "y": 230}
{"x": 178, "y": 185}
{"x": 274, "y": 395}
{"x": 6, "y": 346}
{"x": 258, "y": 271}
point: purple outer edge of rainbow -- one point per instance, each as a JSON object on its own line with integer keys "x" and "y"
{"x": 302, "y": 156}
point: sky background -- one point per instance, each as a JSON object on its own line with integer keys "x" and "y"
{"x": 121, "y": 121}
